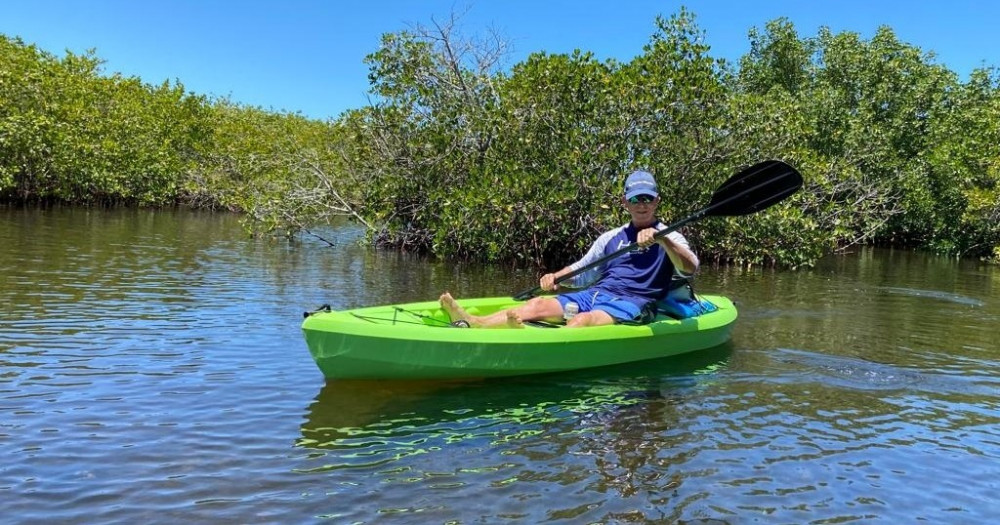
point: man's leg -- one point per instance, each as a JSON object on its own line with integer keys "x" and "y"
{"x": 538, "y": 308}
{"x": 591, "y": 318}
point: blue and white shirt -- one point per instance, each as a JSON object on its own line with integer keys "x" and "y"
{"x": 638, "y": 276}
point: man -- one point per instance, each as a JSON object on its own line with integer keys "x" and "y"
{"x": 627, "y": 283}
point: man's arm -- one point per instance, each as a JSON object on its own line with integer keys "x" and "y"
{"x": 675, "y": 245}
{"x": 680, "y": 253}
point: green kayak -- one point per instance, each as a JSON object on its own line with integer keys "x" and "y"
{"x": 415, "y": 341}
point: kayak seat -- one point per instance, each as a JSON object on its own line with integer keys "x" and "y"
{"x": 684, "y": 308}
{"x": 680, "y": 303}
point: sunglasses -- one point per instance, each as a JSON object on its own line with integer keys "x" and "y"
{"x": 641, "y": 198}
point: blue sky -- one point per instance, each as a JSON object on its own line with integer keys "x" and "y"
{"x": 307, "y": 55}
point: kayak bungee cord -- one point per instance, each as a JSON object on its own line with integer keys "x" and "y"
{"x": 465, "y": 324}
{"x": 393, "y": 320}
{"x": 429, "y": 318}
{"x": 396, "y": 320}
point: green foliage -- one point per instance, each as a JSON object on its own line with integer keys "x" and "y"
{"x": 896, "y": 150}
{"x": 262, "y": 163}
{"x": 461, "y": 157}
{"x": 528, "y": 165}
{"x": 69, "y": 133}
{"x": 963, "y": 168}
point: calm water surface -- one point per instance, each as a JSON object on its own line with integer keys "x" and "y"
{"x": 152, "y": 371}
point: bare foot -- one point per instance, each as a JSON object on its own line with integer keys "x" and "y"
{"x": 455, "y": 312}
{"x": 514, "y": 320}
{"x": 501, "y": 319}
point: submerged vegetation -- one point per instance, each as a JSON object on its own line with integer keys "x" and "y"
{"x": 461, "y": 157}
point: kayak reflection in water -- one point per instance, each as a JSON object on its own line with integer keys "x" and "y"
{"x": 624, "y": 289}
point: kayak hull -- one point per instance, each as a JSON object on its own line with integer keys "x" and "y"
{"x": 414, "y": 341}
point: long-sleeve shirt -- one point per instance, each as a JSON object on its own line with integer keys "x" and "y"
{"x": 638, "y": 276}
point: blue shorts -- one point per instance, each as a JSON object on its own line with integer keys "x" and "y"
{"x": 621, "y": 310}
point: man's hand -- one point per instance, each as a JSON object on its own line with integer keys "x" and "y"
{"x": 645, "y": 237}
{"x": 548, "y": 282}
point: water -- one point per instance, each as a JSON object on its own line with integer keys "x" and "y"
{"x": 152, "y": 370}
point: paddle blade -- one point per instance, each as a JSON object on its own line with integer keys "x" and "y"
{"x": 754, "y": 189}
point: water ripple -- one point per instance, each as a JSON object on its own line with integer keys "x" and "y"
{"x": 152, "y": 369}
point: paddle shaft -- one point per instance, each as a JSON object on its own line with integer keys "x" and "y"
{"x": 531, "y": 292}
{"x": 755, "y": 190}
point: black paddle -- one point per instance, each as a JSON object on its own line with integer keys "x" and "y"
{"x": 749, "y": 191}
